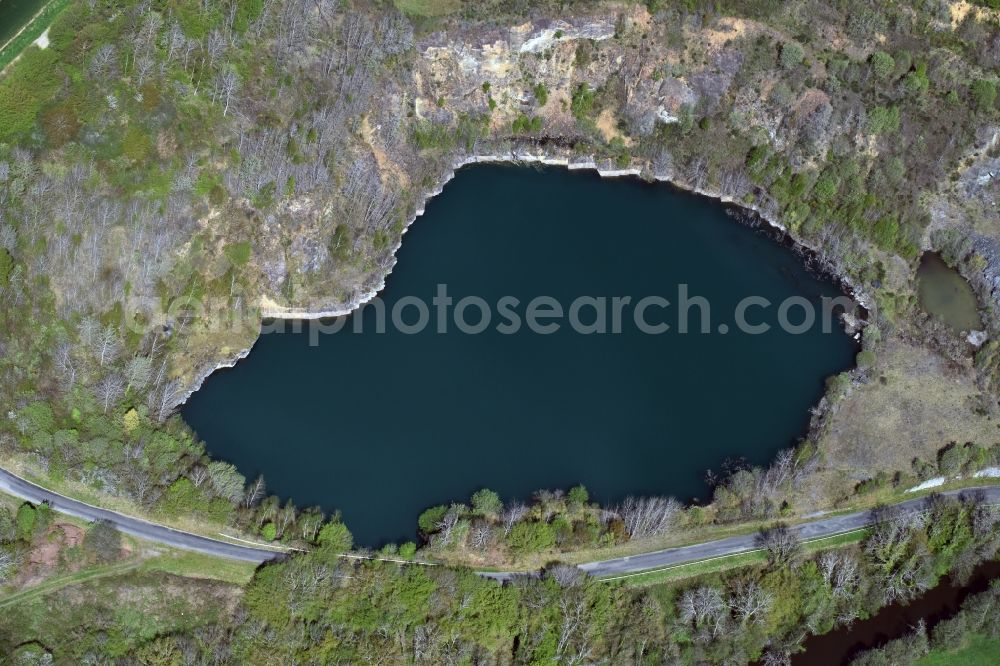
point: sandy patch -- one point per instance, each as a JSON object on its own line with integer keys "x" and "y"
{"x": 729, "y": 29}
{"x": 607, "y": 123}
{"x": 385, "y": 165}
{"x": 960, "y": 11}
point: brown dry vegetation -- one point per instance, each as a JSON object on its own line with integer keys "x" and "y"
{"x": 916, "y": 402}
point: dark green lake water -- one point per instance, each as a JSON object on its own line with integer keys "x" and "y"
{"x": 14, "y": 14}
{"x": 383, "y": 426}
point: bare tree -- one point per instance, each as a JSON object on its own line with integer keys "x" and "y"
{"x": 781, "y": 544}
{"x": 648, "y": 516}
{"x": 7, "y": 564}
{"x": 137, "y": 372}
{"x": 573, "y": 609}
{"x": 286, "y": 516}
{"x": 110, "y": 389}
{"x": 162, "y": 402}
{"x": 198, "y": 475}
{"x": 267, "y": 510}
{"x": 446, "y": 527}
{"x": 226, "y": 86}
{"x": 310, "y": 522}
{"x": 103, "y": 61}
{"x": 705, "y": 607}
{"x": 226, "y": 480}
{"x": 750, "y": 602}
{"x": 900, "y": 564}
{"x": 254, "y": 492}
{"x": 65, "y": 366}
{"x": 512, "y": 515}
{"x": 106, "y": 345}
{"x": 481, "y": 536}
{"x": 840, "y": 571}
{"x": 566, "y": 575}
{"x": 88, "y": 331}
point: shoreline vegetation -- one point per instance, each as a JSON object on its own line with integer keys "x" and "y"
{"x": 29, "y": 34}
{"x": 748, "y": 612}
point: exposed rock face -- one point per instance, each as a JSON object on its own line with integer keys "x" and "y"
{"x": 989, "y": 248}
{"x": 653, "y": 76}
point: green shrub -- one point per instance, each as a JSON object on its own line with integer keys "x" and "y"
{"x": 531, "y": 537}
{"x": 103, "y": 542}
{"x": 865, "y": 358}
{"x": 181, "y": 498}
{"x": 791, "y": 55}
{"x": 429, "y": 519}
{"x": 541, "y": 94}
{"x": 486, "y": 502}
{"x": 882, "y": 64}
{"x": 950, "y": 634}
{"x": 238, "y": 253}
{"x": 872, "y": 484}
{"x": 578, "y": 495}
{"x": 526, "y": 125}
{"x": 269, "y": 532}
{"x": 826, "y": 188}
{"x": 27, "y": 521}
{"x": 885, "y": 233}
{"x": 883, "y": 120}
{"x": 25, "y": 88}
{"x": 984, "y": 93}
{"x": 916, "y": 82}
{"x": 336, "y": 537}
{"x": 951, "y": 459}
{"x": 427, "y": 135}
{"x": 582, "y": 102}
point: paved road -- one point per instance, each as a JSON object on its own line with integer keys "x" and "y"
{"x": 15, "y": 485}
{"x": 822, "y": 527}
{"x": 619, "y": 566}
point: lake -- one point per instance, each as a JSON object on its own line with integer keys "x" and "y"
{"x": 383, "y": 425}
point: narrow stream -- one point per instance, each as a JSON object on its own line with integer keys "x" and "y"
{"x": 841, "y": 645}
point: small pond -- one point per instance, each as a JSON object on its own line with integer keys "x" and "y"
{"x": 944, "y": 293}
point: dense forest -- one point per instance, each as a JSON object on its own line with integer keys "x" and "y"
{"x": 323, "y": 608}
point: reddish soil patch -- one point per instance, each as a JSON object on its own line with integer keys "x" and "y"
{"x": 45, "y": 551}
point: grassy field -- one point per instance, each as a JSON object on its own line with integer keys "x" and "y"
{"x": 174, "y": 562}
{"x": 57, "y": 583}
{"x": 916, "y": 403}
{"x": 196, "y": 565}
{"x": 111, "y": 614}
{"x": 428, "y": 7}
{"x": 980, "y": 650}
